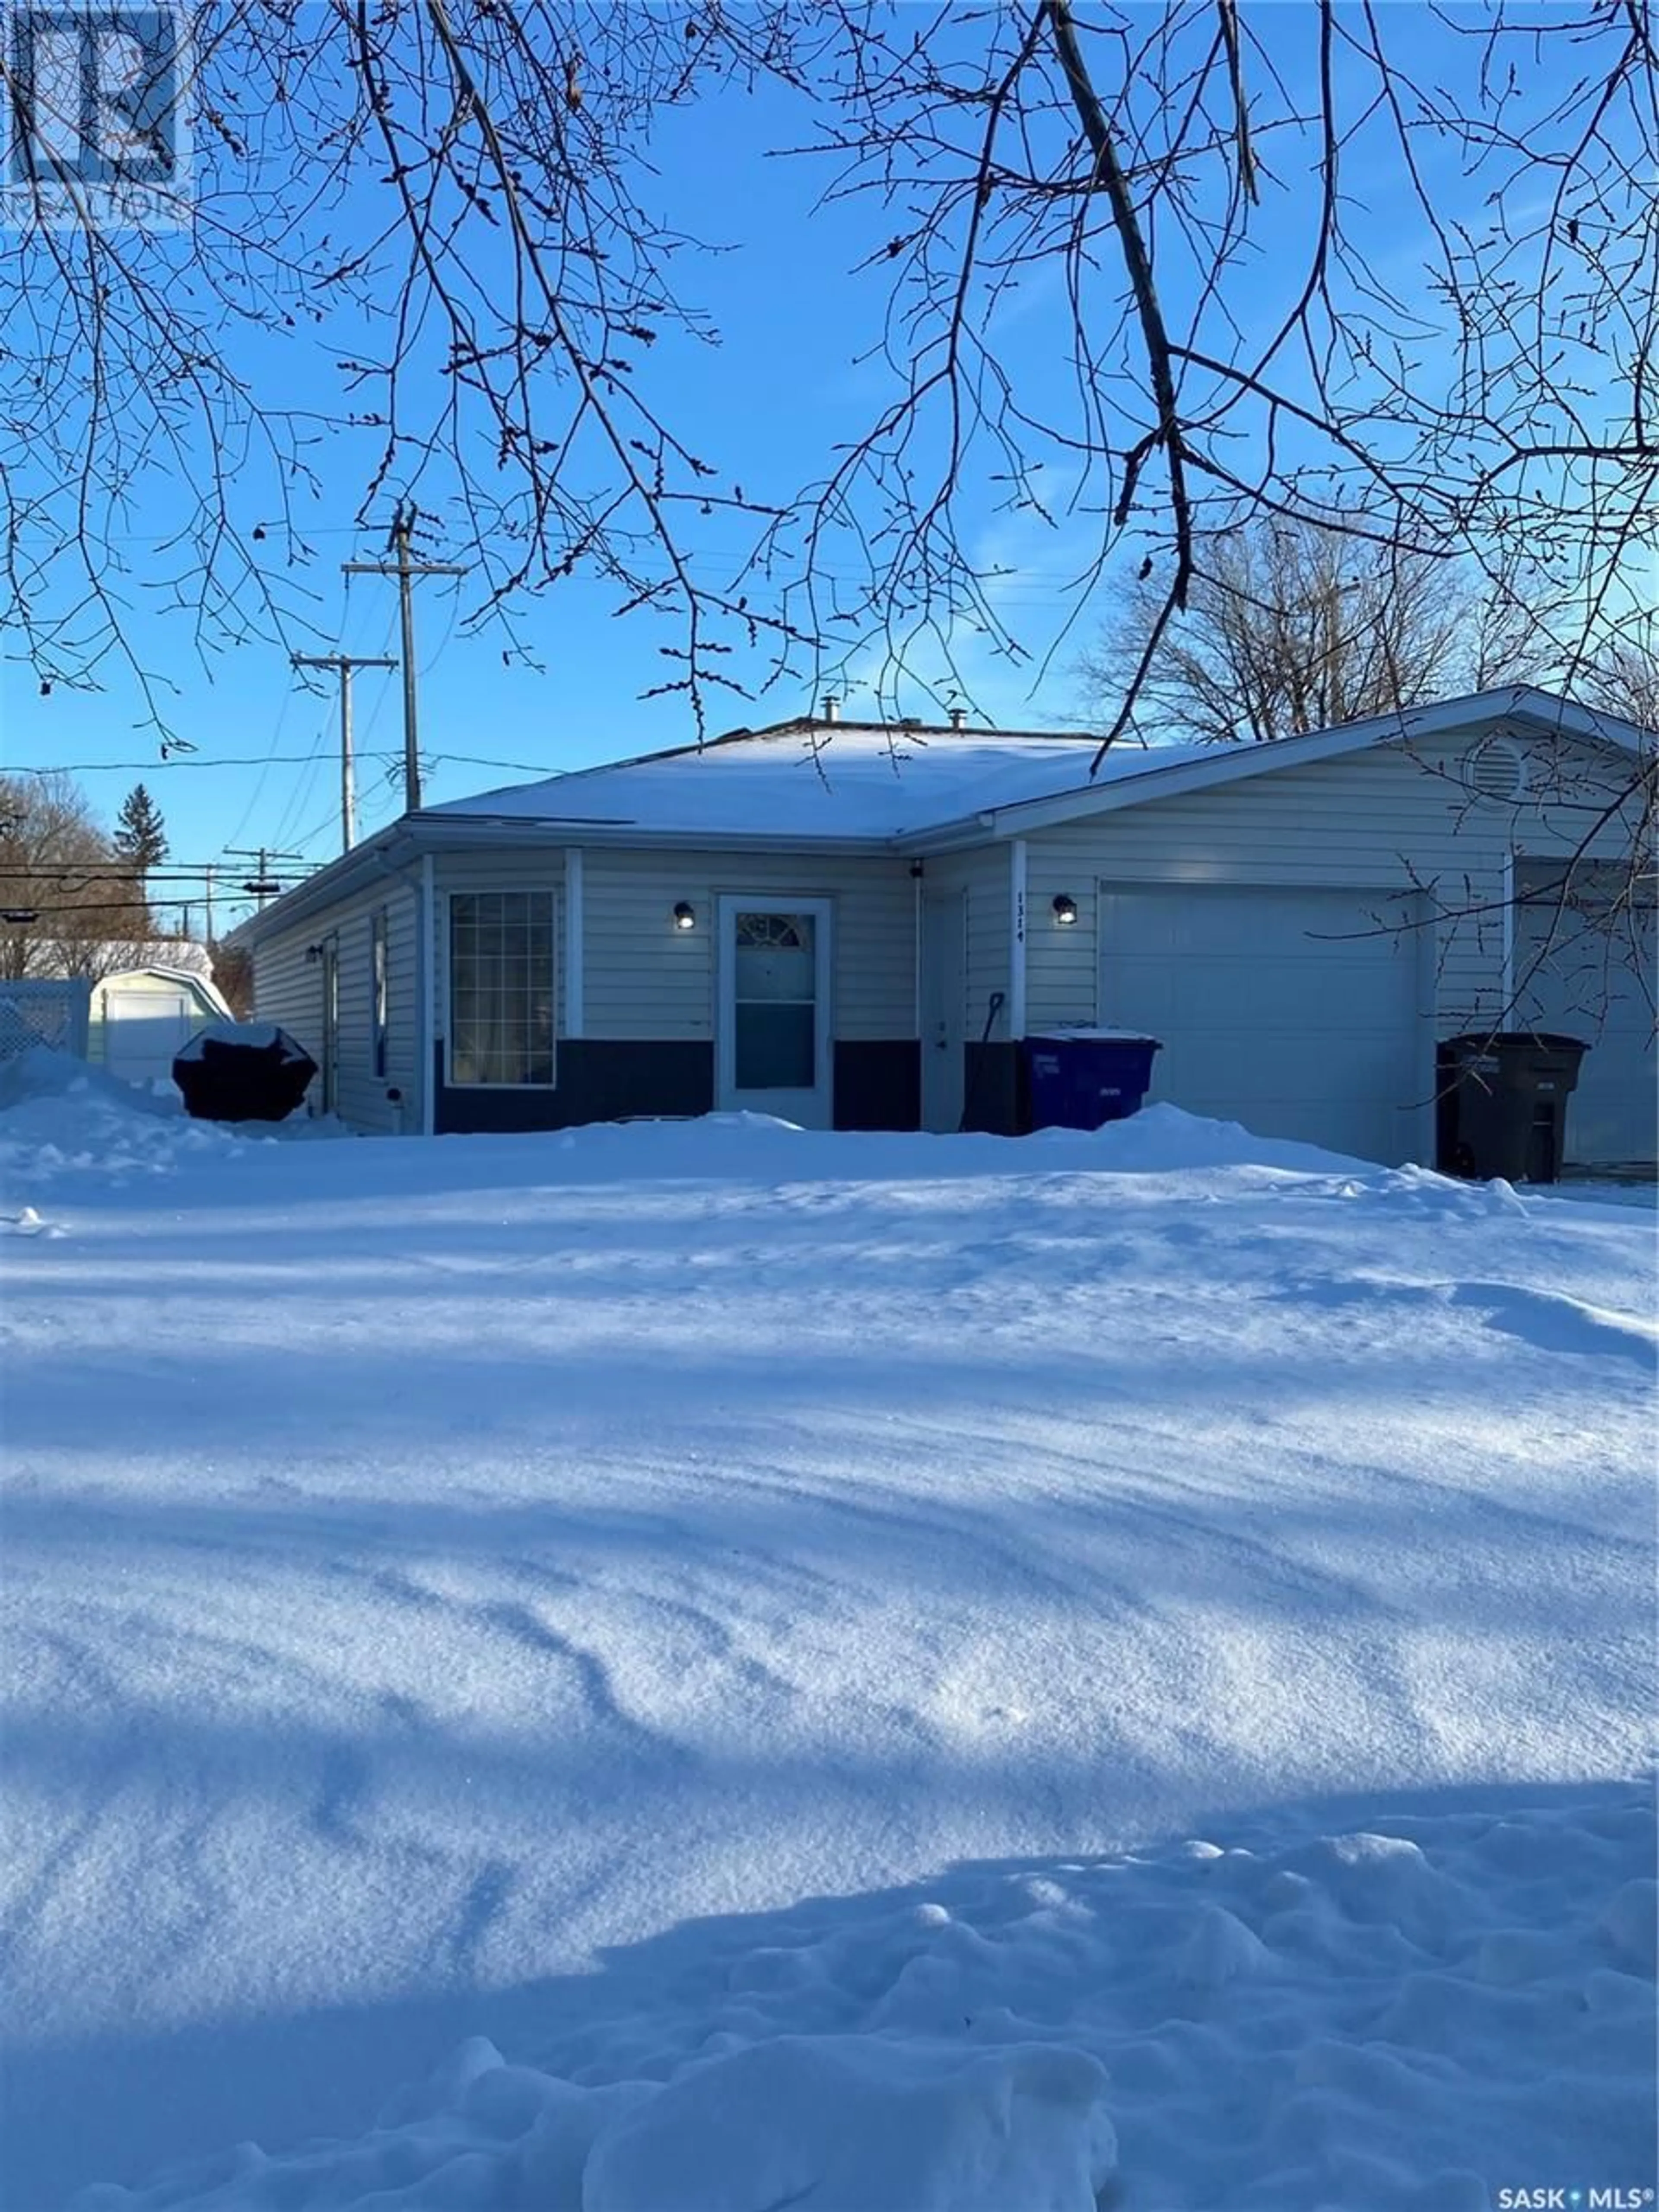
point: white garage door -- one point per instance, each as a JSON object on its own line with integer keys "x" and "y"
{"x": 1587, "y": 970}
{"x": 1300, "y": 1014}
{"x": 143, "y": 1028}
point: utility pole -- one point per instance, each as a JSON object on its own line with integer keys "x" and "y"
{"x": 262, "y": 885}
{"x": 208, "y": 873}
{"x": 406, "y": 570}
{"x": 343, "y": 664}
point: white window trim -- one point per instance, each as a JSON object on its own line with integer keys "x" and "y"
{"x": 452, "y": 891}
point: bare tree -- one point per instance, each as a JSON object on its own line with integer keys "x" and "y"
{"x": 1480, "y": 400}
{"x": 233, "y": 975}
{"x": 442, "y": 199}
{"x": 1468, "y": 392}
{"x": 69, "y": 904}
{"x": 1382, "y": 272}
{"x": 1291, "y": 626}
{"x": 1624, "y": 678}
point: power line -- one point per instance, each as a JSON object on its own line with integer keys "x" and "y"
{"x": 36, "y": 908}
{"x": 57, "y": 873}
{"x": 263, "y": 885}
{"x": 298, "y": 791}
{"x": 254, "y": 796}
{"x": 253, "y": 760}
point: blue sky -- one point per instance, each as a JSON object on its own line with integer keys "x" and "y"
{"x": 781, "y": 386}
{"x": 768, "y": 403}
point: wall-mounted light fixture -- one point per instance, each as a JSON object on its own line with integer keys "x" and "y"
{"x": 313, "y": 954}
{"x": 1065, "y": 910}
{"x": 685, "y": 915}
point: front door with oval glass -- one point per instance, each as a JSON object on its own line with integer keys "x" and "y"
{"x": 774, "y": 1045}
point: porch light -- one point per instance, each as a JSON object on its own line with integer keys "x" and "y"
{"x": 685, "y": 917}
{"x": 1065, "y": 910}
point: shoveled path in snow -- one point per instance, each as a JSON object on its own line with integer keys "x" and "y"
{"x": 436, "y": 1567}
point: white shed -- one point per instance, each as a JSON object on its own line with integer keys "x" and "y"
{"x": 142, "y": 1015}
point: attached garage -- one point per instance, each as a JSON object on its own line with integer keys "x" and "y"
{"x": 1304, "y": 1012}
{"x": 1301, "y": 923}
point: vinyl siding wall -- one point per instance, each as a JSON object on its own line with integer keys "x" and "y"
{"x": 1380, "y": 820}
{"x": 644, "y": 978}
{"x": 986, "y": 876}
{"x": 288, "y": 988}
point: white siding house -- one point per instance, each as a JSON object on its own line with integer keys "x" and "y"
{"x": 345, "y": 981}
{"x": 861, "y": 925}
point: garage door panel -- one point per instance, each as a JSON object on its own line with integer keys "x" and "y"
{"x": 1301, "y": 1014}
{"x": 1263, "y": 990}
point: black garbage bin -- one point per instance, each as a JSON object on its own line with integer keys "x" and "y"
{"x": 1080, "y": 1078}
{"x": 1502, "y": 1104}
{"x": 242, "y": 1072}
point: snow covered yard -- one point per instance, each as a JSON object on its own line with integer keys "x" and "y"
{"x": 896, "y": 1674}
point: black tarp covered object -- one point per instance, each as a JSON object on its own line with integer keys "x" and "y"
{"x": 243, "y": 1072}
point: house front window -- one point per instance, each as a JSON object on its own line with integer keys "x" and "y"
{"x": 500, "y": 987}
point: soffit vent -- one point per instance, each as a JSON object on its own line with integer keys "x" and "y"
{"x": 1496, "y": 768}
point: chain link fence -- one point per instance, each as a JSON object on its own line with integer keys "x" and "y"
{"x": 56, "y": 1013}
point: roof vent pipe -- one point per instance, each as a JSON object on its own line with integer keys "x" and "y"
{"x": 958, "y": 717}
{"x": 831, "y": 707}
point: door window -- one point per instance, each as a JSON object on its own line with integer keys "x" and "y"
{"x": 774, "y": 1001}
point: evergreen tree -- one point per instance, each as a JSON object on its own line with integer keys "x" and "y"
{"x": 141, "y": 836}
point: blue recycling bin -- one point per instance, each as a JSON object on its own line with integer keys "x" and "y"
{"x": 1080, "y": 1078}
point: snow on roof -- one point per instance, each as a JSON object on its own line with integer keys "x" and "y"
{"x": 804, "y": 779}
{"x": 845, "y": 780}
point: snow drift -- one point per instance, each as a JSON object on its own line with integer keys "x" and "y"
{"x": 1404, "y": 2021}
{"x": 751, "y": 1666}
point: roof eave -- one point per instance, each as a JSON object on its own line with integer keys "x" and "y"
{"x": 967, "y": 831}
{"x": 490, "y": 830}
{"x": 416, "y": 835}
{"x": 330, "y": 884}
{"x": 1520, "y": 702}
